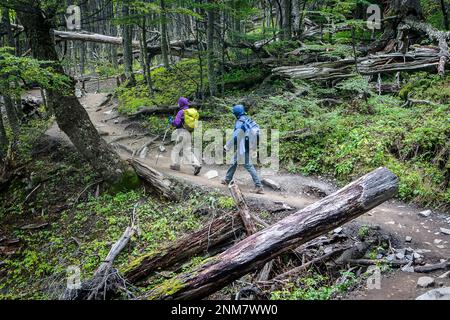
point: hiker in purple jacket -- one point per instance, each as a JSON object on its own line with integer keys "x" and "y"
{"x": 182, "y": 139}
{"x": 183, "y": 104}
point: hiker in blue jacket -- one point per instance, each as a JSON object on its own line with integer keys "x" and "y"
{"x": 245, "y": 135}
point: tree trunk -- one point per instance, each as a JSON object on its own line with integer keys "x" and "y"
{"x": 164, "y": 36}
{"x": 398, "y": 11}
{"x": 286, "y": 27}
{"x": 210, "y": 50}
{"x": 13, "y": 119}
{"x": 70, "y": 115}
{"x": 127, "y": 44}
{"x": 296, "y": 17}
{"x": 220, "y": 231}
{"x": 145, "y": 58}
{"x": 444, "y": 8}
{"x": 251, "y": 253}
{"x": 3, "y": 138}
{"x": 7, "y": 23}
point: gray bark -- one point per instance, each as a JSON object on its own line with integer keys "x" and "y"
{"x": 286, "y": 28}
{"x": 164, "y": 35}
{"x": 127, "y": 44}
{"x": 3, "y": 138}
{"x": 13, "y": 119}
{"x": 210, "y": 51}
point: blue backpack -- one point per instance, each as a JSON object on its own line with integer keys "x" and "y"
{"x": 248, "y": 125}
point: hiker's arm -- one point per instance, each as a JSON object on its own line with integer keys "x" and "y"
{"x": 178, "y": 122}
{"x": 236, "y": 132}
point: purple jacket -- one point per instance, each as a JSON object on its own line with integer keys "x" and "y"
{"x": 183, "y": 104}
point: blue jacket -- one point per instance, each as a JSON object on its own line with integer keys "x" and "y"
{"x": 243, "y": 128}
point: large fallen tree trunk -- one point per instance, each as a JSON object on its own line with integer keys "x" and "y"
{"x": 440, "y": 36}
{"x": 181, "y": 48}
{"x": 419, "y": 58}
{"x": 251, "y": 253}
{"x": 220, "y": 231}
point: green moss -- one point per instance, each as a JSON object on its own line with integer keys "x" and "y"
{"x": 169, "y": 84}
{"x": 128, "y": 181}
{"x": 167, "y": 288}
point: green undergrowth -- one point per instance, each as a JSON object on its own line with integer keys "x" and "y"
{"x": 168, "y": 85}
{"x": 181, "y": 80}
{"x": 362, "y": 132}
{"x": 315, "y": 286}
{"x": 355, "y": 135}
{"x": 81, "y": 227}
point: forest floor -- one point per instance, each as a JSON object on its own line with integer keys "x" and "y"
{"x": 394, "y": 217}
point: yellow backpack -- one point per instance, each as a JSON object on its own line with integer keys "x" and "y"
{"x": 191, "y": 116}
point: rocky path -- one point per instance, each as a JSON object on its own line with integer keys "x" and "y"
{"x": 419, "y": 230}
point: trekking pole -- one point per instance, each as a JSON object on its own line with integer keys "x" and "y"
{"x": 161, "y": 147}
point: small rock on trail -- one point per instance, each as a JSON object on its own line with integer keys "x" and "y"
{"x": 425, "y": 213}
{"x": 211, "y": 174}
{"x": 271, "y": 184}
{"x": 425, "y": 282}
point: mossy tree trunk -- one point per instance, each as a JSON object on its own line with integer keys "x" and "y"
{"x": 13, "y": 119}
{"x": 70, "y": 115}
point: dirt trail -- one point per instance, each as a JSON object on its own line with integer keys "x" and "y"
{"x": 394, "y": 217}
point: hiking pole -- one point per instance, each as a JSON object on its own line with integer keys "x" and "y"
{"x": 161, "y": 147}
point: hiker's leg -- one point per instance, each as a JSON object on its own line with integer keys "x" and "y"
{"x": 175, "y": 154}
{"x": 231, "y": 169}
{"x": 191, "y": 157}
{"x": 251, "y": 169}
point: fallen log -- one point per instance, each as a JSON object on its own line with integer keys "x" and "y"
{"x": 419, "y": 58}
{"x": 438, "y": 266}
{"x": 224, "y": 229}
{"x": 440, "y": 36}
{"x": 146, "y": 111}
{"x": 370, "y": 262}
{"x": 180, "y": 48}
{"x": 319, "y": 71}
{"x": 161, "y": 184}
{"x": 249, "y": 224}
{"x": 242, "y": 207}
{"x": 295, "y": 271}
{"x": 254, "y": 251}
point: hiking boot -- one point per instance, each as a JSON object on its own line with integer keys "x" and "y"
{"x": 223, "y": 181}
{"x": 175, "y": 167}
{"x": 258, "y": 190}
{"x": 197, "y": 170}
